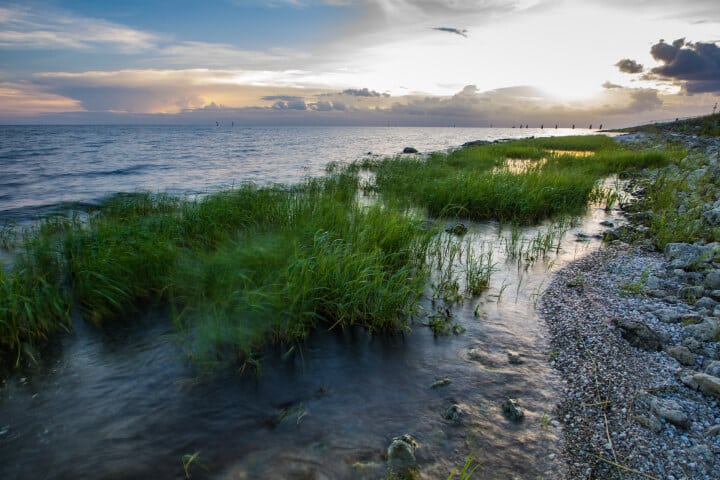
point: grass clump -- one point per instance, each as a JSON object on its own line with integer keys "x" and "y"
{"x": 475, "y": 182}
{"x": 33, "y": 304}
{"x": 239, "y": 268}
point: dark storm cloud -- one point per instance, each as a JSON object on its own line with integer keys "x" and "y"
{"x": 695, "y": 65}
{"x": 362, "y": 92}
{"x": 627, "y": 65}
{"x": 462, "y": 33}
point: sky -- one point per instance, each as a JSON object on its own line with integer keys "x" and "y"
{"x": 358, "y": 62}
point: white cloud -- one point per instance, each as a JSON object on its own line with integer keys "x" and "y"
{"x": 23, "y": 28}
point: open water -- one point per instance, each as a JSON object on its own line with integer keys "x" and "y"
{"x": 42, "y": 167}
{"x": 126, "y": 402}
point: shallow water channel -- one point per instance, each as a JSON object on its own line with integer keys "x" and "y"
{"x": 128, "y": 404}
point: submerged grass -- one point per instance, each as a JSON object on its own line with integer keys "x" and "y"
{"x": 239, "y": 268}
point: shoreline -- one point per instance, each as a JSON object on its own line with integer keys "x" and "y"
{"x": 634, "y": 412}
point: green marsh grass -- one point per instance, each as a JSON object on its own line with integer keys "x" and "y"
{"x": 34, "y": 305}
{"x": 258, "y": 264}
{"x": 471, "y": 183}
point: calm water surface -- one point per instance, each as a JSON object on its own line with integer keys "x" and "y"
{"x": 127, "y": 403}
{"x": 43, "y": 166}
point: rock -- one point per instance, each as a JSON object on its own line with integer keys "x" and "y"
{"x": 639, "y": 335}
{"x": 457, "y": 229}
{"x": 650, "y": 422}
{"x": 453, "y": 413}
{"x": 671, "y": 411}
{"x": 682, "y": 354}
{"x": 441, "y": 382}
{"x": 712, "y": 217}
{"x": 653, "y": 282}
{"x": 690, "y": 318}
{"x": 712, "y": 280}
{"x": 705, "y": 331}
{"x": 401, "y": 455}
{"x": 715, "y": 295}
{"x": 708, "y": 384}
{"x": 689, "y": 381}
{"x": 713, "y": 431}
{"x": 706, "y": 302}
{"x": 693, "y": 344}
{"x": 514, "y": 358}
{"x": 409, "y": 150}
{"x": 691, "y": 293}
{"x": 712, "y": 368}
{"x": 685, "y": 255}
{"x": 512, "y": 411}
{"x": 668, "y": 315}
{"x": 702, "y": 453}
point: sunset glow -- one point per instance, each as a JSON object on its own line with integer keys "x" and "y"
{"x": 544, "y": 60}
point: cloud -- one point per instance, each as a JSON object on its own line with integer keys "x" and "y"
{"x": 284, "y": 98}
{"x": 23, "y": 99}
{"x": 364, "y": 92}
{"x": 610, "y": 85}
{"x": 290, "y": 105}
{"x": 696, "y": 66}
{"x": 462, "y": 33}
{"x": 25, "y": 28}
{"x": 627, "y": 65}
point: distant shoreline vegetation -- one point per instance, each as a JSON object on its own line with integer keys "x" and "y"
{"x": 252, "y": 266}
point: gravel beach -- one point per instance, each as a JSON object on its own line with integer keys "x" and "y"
{"x": 634, "y": 338}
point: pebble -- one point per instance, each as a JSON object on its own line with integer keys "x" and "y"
{"x": 597, "y": 364}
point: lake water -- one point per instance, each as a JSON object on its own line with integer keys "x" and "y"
{"x": 126, "y": 402}
{"x": 42, "y": 167}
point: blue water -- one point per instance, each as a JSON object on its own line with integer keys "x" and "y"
{"x": 42, "y": 167}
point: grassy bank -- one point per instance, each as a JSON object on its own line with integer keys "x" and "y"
{"x": 255, "y": 265}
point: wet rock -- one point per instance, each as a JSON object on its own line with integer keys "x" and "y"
{"x": 704, "y": 331}
{"x": 639, "y": 335}
{"x": 409, "y": 150}
{"x": 715, "y": 295}
{"x": 671, "y": 411}
{"x": 682, "y": 354}
{"x": 401, "y": 455}
{"x": 453, "y": 413}
{"x": 607, "y": 223}
{"x": 514, "y": 358}
{"x": 712, "y": 368}
{"x": 441, "y": 382}
{"x": 457, "y": 229}
{"x": 512, "y": 410}
{"x": 650, "y": 422}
